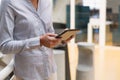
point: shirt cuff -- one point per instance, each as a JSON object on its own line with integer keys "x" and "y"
{"x": 32, "y": 43}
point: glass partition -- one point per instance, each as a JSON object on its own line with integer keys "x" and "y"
{"x": 113, "y": 15}
{"x": 112, "y": 32}
{"x": 85, "y": 10}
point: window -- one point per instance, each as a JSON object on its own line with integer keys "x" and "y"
{"x": 94, "y": 4}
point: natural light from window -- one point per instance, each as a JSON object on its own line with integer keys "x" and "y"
{"x": 94, "y": 4}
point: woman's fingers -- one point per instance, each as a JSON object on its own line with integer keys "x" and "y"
{"x": 49, "y": 40}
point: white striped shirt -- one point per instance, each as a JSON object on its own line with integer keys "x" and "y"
{"x": 21, "y": 26}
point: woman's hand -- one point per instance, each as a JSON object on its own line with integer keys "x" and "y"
{"x": 49, "y": 40}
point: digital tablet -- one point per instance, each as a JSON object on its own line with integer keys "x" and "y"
{"x": 66, "y": 34}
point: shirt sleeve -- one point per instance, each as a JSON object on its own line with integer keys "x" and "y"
{"x": 7, "y": 42}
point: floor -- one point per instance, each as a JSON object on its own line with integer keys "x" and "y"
{"x": 106, "y": 62}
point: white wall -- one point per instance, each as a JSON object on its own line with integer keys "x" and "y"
{"x": 59, "y": 11}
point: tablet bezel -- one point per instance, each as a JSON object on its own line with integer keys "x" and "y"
{"x": 68, "y": 31}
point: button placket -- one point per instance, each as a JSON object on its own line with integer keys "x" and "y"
{"x": 40, "y": 26}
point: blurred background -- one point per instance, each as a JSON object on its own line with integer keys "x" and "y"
{"x": 92, "y": 17}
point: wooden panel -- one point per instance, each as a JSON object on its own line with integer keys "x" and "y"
{"x": 73, "y": 59}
